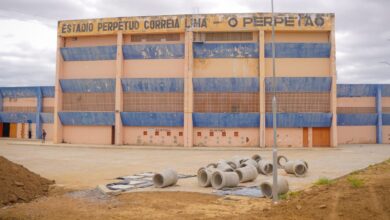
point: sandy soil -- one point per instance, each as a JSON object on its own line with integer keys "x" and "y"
{"x": 18, "y": 184}
{"x": 337, "y": 200}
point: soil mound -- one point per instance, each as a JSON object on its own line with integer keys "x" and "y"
{"x": 18, "y": 184}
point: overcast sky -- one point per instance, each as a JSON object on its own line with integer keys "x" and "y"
{"x": 28, "y": 31}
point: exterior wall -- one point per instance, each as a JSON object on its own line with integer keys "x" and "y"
{"x": 226, "y": 137}
{"x": 386, "y": 134}
{"x": 169, "y": 68}
{"x": 87, "y": 134}
{"x": 286, "y": 137}
{"x": 296, "y": 67}
{"x": 162, "y": 136}
{"x": 226, "y": 67}
{"x": 88, "y": 69}
{"x": 356, "y": 134}
{"x": 386, "y": 102}
{"x": 20, "y": 104}
{"x": 356, "y": 102}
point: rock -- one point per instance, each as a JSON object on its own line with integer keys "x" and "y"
{"x": 18, "y": 183}
{"x": 299, "y": 207}
{"x": 322, "y": 206}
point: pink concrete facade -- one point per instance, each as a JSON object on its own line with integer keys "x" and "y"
{"x": 356, "y": 134}
{"x": 223, "y": 137}
{"x": 87, "y": 134}
{"x": 161, "y": 136}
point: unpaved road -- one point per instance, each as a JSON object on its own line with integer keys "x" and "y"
{"x": 81, "y": 168}
{"x": 338, "y": 200}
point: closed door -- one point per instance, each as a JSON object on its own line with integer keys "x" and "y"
{"x": 12, "y": 130}
{"x": 1, "y": 129}
{"x": 321, "y": 137}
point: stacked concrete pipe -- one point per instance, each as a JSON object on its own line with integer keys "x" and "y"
{"x": 297, "y": 167}
{"x": 265, "y": 167}
{"x": 266, "y": 187}
{"x": 204, "y": 176}
{"x": 247, "y": 173}
{"x": 221, "y": 179}
{"x": 249, "y": 162}
{"x": 165, "y": 178}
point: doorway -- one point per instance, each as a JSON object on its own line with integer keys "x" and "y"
{"x": 5, "y": 130}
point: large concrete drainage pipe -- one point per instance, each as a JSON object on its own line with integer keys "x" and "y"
{"x": 296, "y": 167}
{"x": 165, "y": 178}
{"x": 220, "y": 179}
{"x": 256, "y": 157}
{"x": 249, "y": 162}
{"x": 265, "y": 167}
{"x": 266, "y": 187}
{"x": 279, "y": 161}
{"x": 247, "y": 173}
{"x": 204, "y": 176}
{"x": 224, "y": 166}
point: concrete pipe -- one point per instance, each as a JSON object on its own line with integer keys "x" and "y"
{"x": 296, "y": 167}
{"x": 220, "y": 179}
{"x": 247, "y": 173}
{"x": 280, "y": 158}
{"x": 256, "y": 157}
{"x": 266, "y": 187}
{"x": 224, "y": 166}
{"x": 249, "y": 162}
{"x": 165, "y": 178}
{"x": 265, "y": 167}
{"x": 204, "y": 176}
{"x": 213, "y": 165}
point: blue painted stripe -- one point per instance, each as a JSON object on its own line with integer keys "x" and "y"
{"x": 17, "y": 117}
{"x": 298, "y": 50}
{"x": 226, "y": 84}
{"x": 299, "y": 120}
{"x": 89, "y": 53}
{"x": 47, "y": 118}
{"x": 299, "y": 84}
{"x": 87, "y": 118}
{"x": 386, "y": 90}
{"x": 47, "y": 91}
{"x": 88, "y": 85}
{"x": 356, "y": 90}
{"x": 19, "y": 92}
{"x": 153, "y": 51}
{"x": 226, "y": 50}
{"x": 356, "y": 119}
{"x": 385, "y": 119}
{"x": 226, "y": 120}
{"x": 166, "y": 119}
{"x": 38, "y": 122}
{"x": 1, "y": 101}
{"x": 153, "y": 85}
{"x": 378, "y": 103}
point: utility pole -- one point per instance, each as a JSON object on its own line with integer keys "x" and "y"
{"x": 274, "y": 147}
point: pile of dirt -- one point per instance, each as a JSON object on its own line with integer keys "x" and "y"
{"x": 18, "y": 184}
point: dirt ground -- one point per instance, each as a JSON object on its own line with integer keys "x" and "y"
{"x": 360, "y": 195}
{"x": 18, "y": 184}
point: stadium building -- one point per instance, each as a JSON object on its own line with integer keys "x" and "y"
{"x": 198, "y": 80}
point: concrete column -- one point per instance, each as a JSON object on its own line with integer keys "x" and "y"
{"x": 188, "y": 89}
{"x": 57, "y": 137}
{"x": 119, "y": 91}
{"x": 310, "y": 137}
{"x": 38, "y": 122}
{"x": 333, "y": 91}
{"x": 379, "y": 112}
{"x": 262, "y": 87}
